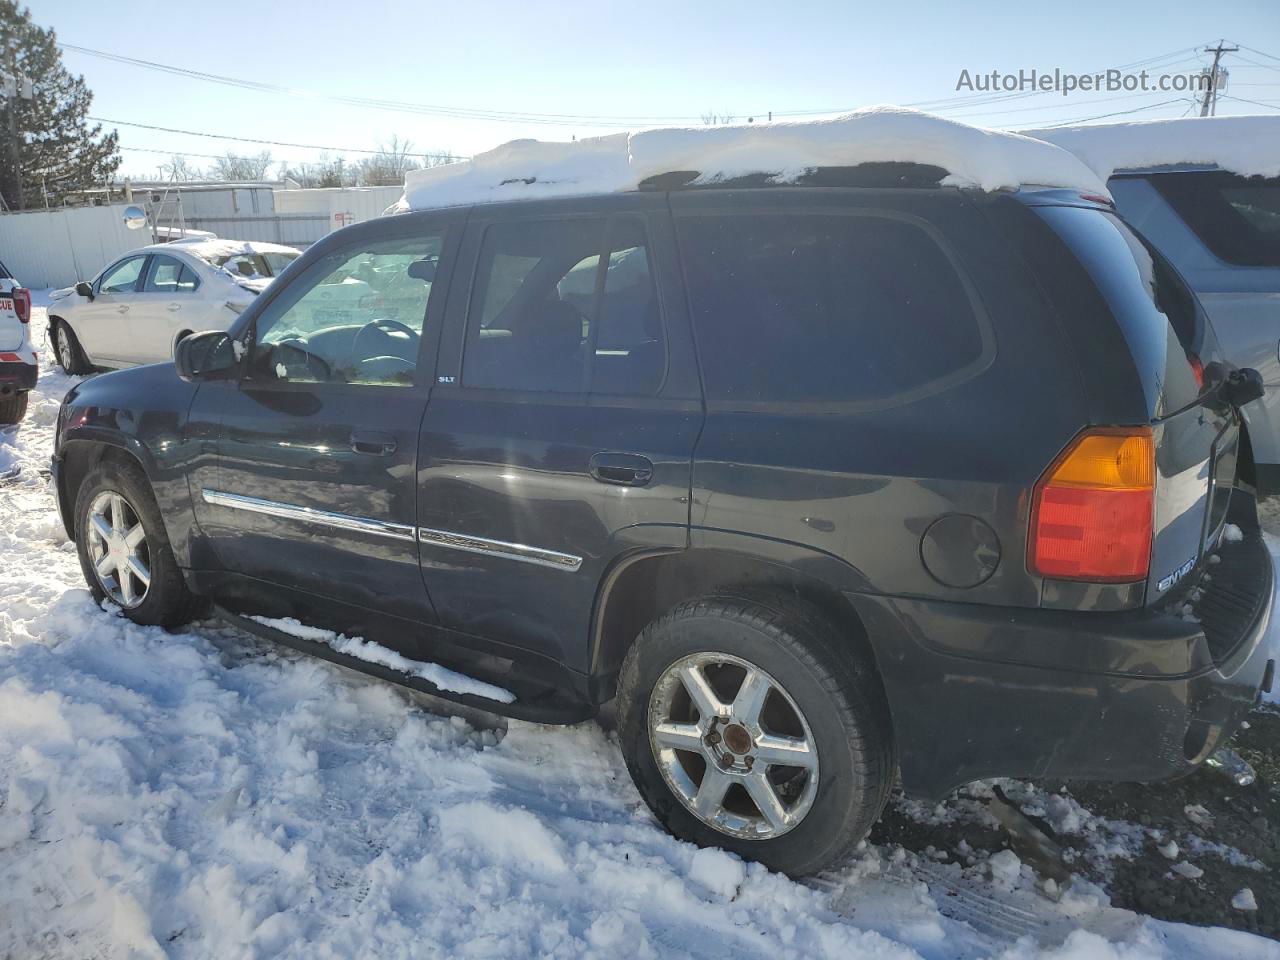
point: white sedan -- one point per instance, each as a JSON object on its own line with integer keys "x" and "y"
{"x": 138, "y": 308}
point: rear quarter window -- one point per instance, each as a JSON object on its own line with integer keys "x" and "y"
{"x": 1163, "y": 323}
{"x": 859, "y": 310}
{"x": 1237, "y": 218}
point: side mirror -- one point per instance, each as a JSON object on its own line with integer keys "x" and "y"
{"x": 85, "y": 289}
{"x": 206, "y": 356}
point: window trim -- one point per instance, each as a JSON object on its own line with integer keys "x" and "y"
{"x": 583, "y": 394}
{"x": 970, "y": 371}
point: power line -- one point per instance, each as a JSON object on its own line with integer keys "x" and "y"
{"x": 1118, "y": 113}
{"x": 1260, "y": 103}
{"x": 270, "y": 143}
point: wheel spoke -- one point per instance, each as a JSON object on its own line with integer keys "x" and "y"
{"x": 766, "y": 800}
{"x": 126, "y": 586}
{"x": 117, "y": 513}
{"x": 711, "y": 792}
{"x": 785, "y": 751}
{"x": 139, "y": 570}
{"x": 99, "y": 526}
{"x": 751, "y": 696}
{"x": 679, "y": 736}
{"x": 106, "y": 565}
{"x": 135, "y": 536}
{"x": 700, "y": 692}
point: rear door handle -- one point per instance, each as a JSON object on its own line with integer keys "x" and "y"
{"x": 175, "y": 307}
{"x": 122, "y": 308}
{"x": 373, "y": 443}
{"x": 625, "y": 469}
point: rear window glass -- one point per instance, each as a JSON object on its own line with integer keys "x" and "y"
{"x": 817, "y": 308}
{"x": 1162, "y": 321}
{"x": 1238, "y": 218}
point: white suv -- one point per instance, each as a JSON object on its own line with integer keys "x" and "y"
{"x": 17, "y": 356}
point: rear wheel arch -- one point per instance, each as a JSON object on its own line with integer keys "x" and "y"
{"x": 641, "y": 589}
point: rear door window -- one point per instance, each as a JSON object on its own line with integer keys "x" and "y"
{"x": 860, "y": 310}
{"x": 1238, "y": 218}
{"x": 1162, "y": 321}
{"x": 167, "y": 275}
{"x": 565, "y": 306}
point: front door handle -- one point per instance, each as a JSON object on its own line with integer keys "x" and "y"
{"x": 625, "y": 469}
{"x": 373, "y": 443}
{"x": 122, "y": 308}
{"x": 175, "y": 307}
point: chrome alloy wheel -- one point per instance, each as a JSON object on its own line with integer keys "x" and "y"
{"x": 64, "y": 349}
{"x": 733, "y": 746}
{"x": 118, "y": 549}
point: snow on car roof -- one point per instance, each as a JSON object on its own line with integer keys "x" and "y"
{"x": 210, "y": 250}
{"x": 533, "y": 169}
{"x": 1249, "y": 146}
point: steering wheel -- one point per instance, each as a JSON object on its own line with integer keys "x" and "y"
{"x": 388, "y": 329}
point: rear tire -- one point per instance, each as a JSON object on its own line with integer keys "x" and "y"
{"x": 119, "y": 530}
{"x": 13, "y": 408}
{"x": 824, "y": 708}
{"x": 67, "y": 352}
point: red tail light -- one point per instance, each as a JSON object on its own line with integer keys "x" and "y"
{"x": 1091, "y": 511}
{"x": 22, "y": 303}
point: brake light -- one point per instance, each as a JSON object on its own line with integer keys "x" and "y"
{"x": 1091, "y": 511}
{"x": 1197, "y": 369}
{"x": 22, "y": 303}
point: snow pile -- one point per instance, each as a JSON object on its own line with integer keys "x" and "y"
{"x": 440, "y": 677}
{"x": 1249, "y": 146}
{"x": 533, "y": 169}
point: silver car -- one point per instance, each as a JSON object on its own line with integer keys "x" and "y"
{"x": 1182, "y": 184}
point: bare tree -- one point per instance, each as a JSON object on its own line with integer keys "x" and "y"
{"x": 711, "y": 118}
{"x": 178, "y": 167}
{"x": 388, "y": 166}
{"x": 236, "y": 167}
{"x": 325, "y": 172}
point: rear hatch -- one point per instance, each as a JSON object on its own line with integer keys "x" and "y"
{"x": 12, "y": 331}
{"x": 1181, "y": 374}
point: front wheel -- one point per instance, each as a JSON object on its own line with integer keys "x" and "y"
{"x": 124, "y": 548}
{"x": 753, "y": 724}
{"x": 66, "y": 348}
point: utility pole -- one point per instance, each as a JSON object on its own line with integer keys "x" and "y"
{"x": 1210, "y": 105}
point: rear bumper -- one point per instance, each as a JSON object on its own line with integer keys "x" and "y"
{"x": 16, "y": 376}
{"x": 978, "y": 692}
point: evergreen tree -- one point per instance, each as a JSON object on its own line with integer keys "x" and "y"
{"x": 57, "y": 149}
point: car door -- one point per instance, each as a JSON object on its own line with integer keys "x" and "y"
{"x": 313, "y": 487}
{"x": 559, "y": 435}
{"x": 167, "y": 303}
{"x": 103, "y": 323}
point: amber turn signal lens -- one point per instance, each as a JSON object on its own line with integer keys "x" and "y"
{"x": 1091, "y": 516}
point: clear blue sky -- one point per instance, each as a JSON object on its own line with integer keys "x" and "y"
{"x": 654, "y": 59}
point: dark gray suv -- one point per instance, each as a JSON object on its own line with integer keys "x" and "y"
{"x": 818, "y": 482}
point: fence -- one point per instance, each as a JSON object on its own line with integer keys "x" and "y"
{"x": 294, "y": 229}
{"x": 55, "y": 248}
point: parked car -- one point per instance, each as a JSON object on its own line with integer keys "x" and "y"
{"x": 18, "y": 365}
{"x": 138, "y": 307}
{"x": 815, "y": 481}
{"x": 1178, "y": 182}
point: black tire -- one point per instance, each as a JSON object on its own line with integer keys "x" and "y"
{"x": 167, "y": 601}
{"x": 831, "y": 680}
{"x": 71, "y": 360}
{"x": 13, "y": 408}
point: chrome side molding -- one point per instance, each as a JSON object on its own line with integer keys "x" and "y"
{"x": 500, "y": 548}
{"x": 287, "y": 511}
{"x": 397, "y": 531}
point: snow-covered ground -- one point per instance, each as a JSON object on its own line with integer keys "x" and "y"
{"x": 204, "y": 794}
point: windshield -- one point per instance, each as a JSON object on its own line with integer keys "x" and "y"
{"x": 256, "y": 265}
